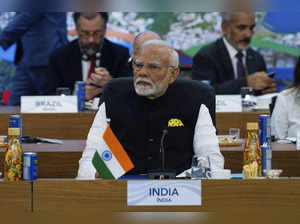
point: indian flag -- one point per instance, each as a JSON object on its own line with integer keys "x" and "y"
{"x": 111, "y": 162}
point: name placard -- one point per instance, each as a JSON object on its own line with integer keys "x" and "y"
{"x": 228, "y": 103}
{"x": 164, "y": 193}
{"x": 49, "y": 104}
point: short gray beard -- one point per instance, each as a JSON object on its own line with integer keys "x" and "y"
{"x": 153, "y": 91}
{"x": 142, "y": 90}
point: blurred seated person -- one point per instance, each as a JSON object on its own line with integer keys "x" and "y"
{"x": 91, "y": 58}
{"x": 285, "y": 121}
{"x": 37, "y": 35}
{"x": 229, "y": 63}
{"x": 139, "y": 40}
{"x": 140, "y": 108}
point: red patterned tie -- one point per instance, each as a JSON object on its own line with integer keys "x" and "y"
{"x": 92, "y": 66}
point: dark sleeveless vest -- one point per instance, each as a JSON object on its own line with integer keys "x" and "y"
{"x": 138, "y": 122}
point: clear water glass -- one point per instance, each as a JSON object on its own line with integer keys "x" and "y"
{"x": 201, "y": 167}
{"x": 235, "y": 132}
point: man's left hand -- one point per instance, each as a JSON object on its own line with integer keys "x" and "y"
{"x": 270, "y": 89}
{"x": 92, "y": 91}
{"x": 99, "y": 78}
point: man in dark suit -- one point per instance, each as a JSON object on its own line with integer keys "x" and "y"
{"x": 229, "y": 63}
{"x": 91, "y": 58}
{"x": 37, "y": 35}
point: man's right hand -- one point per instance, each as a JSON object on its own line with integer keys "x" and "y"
{"x": 92, "y": 91}
{"x": 261, "y": 81}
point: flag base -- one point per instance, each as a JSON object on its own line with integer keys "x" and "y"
{"x": 162, "y": 174}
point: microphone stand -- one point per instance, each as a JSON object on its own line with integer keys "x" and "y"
{"x": 162, "y": 149}
{"x": 162, "y": 173}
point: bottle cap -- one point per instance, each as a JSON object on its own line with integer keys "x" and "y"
{"x": 252, "y": 126}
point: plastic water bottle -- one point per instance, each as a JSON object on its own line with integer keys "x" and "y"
{"x": 266, "y": 157}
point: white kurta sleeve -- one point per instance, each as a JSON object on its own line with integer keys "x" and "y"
{"x": 206, "y": 141}
{"x": 86, "y": 169}
{"x": 279, "y": 120}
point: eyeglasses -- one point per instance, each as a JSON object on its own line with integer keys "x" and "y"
{"x": 151, "y": 67}
{"x": 138, "y": 66}
{"x": 87, "y": 34}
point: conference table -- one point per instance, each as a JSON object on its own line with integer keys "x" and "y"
{"x": 15, "y": 196}
{"x": 61, "y": 160}
{"x": 57, "y": 190}
{"x": 51, "y": 195}
{"x": 77, "y": 125}
{"x": 77, "y": 197}
{"x": 50, "y": 125}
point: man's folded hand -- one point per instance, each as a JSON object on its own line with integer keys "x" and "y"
{"x": 100, "y": 77}
{"x": 261, "y": 81}
{"x": 92, "y": 91}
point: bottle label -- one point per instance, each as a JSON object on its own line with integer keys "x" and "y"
{"x": 14, "y": 131}
{"x": 13, "y": 161}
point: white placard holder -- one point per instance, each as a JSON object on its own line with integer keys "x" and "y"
{"x": 228, "y": 103}
{"x": 164, "y": 193}
{"x": 49, "y": 104}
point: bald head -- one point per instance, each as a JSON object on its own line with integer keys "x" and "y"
{"x": 141, "y": 38}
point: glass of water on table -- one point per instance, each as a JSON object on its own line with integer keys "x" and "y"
{"x": 200, "y": 168}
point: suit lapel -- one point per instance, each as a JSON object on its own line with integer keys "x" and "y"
{"x": 76, "y": 61}
{"x": 106, "y": 56}
{"x": 250, "y": 62}
{"x": 225, "y": 60}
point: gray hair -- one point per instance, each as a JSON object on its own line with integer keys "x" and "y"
{"x": 174, "y": 58}
{"x": 226, "y": 16}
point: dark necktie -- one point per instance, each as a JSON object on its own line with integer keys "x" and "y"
{"x": 92, "y": 66}
{"x": 239, "y": 65}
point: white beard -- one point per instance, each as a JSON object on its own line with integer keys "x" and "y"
{"x": 155, "y": 90}
{"x": 144, "y": 90}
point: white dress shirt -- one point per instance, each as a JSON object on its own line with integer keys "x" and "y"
{"x": 285, "y": 121}
{"x": 86, "y": 68}
{"x": 205, "y": 142}
{"x": 232, "y": 53}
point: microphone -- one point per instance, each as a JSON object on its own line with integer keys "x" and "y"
{"x": 162, "y": 173}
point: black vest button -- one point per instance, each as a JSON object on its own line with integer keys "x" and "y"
{"x": 151, "y": 140}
